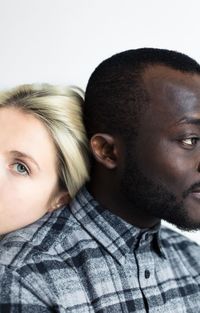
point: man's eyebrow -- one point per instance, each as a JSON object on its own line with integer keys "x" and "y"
{"x": 189, "y": 120}
{"x": 19, "y": 154}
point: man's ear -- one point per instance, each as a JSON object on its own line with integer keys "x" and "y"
{"x": 104, "y": 149}
{"x": 62, "y": 198}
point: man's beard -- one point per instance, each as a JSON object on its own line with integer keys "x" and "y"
{"x": 153, "y": 199}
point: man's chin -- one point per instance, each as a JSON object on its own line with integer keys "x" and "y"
{"x": 189, "y": 227}
{"x": 185, "y": 215}
{"x": 185, "y": 223}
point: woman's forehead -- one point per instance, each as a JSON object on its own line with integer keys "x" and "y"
{"x": 26, "y": 134}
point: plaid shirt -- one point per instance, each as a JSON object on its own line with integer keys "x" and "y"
{"x": 83, "y": 259}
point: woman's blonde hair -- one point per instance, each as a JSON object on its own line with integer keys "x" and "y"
{"x": 60, "y": 110}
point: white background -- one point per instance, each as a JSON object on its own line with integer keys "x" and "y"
{"x": 62, "y": 41}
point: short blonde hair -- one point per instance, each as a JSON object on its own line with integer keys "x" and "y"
{"x": 60, "y": 110}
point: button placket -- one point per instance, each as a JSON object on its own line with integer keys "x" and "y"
{"x": 147, "y": 274}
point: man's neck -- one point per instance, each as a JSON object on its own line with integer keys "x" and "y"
{"x": 108, "y": 195}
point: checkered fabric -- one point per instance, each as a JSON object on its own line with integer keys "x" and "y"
{"x": 82, "y": 258}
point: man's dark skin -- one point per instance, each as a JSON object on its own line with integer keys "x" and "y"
{"x": 167, "y": 151}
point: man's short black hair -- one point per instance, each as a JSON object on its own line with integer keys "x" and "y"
{"x": 115, "y": 95}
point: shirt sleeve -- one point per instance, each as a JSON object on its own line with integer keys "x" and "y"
{"x": 17, "y": 296}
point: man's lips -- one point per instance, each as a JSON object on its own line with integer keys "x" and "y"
{"x": 196, "y": 193}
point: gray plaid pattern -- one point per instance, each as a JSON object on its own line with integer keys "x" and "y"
{"x": 83, "y": 259}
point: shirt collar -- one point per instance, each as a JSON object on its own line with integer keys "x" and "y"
{"x": 113, "y": 233}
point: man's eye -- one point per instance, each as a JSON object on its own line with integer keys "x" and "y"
{"x": 190, "y": 141}
{"x": 20, "y": 169}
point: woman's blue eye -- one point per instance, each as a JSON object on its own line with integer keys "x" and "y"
{"x": 20, "y": 168}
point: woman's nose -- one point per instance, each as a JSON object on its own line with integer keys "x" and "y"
{"x": 2, "y": 169}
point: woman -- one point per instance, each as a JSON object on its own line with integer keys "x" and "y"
{"x": 43, "y": 152}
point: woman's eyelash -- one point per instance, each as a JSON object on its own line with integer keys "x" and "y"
{"x": 21, "y": 168}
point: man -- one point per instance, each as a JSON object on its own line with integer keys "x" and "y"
{"x": 108, "y": 252}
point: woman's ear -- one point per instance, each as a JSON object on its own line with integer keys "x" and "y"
{"x": 104, "y": 149}
{"x": 62, "y": 198}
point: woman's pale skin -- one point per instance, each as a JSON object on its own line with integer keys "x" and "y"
{"x": 28, "y": 170}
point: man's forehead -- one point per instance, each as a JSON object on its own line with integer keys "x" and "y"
{"x": 169, "y": 87}
{"x": 172, "y": 95}
{"x": 162, "y": 74}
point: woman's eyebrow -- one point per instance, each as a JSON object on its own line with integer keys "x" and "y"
{"x": 20, "y": 154}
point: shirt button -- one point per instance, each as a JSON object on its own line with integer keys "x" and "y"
{"x": 147, "y": 274}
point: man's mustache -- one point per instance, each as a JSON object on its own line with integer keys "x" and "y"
{"x": 193, "y": 188}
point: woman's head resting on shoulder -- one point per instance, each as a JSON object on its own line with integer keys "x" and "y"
{"x": 43, "y": 152}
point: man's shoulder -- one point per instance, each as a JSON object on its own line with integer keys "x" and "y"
{"x": 179, "y": 247}
{"x": 43, "y": 257}
{"x": 46, "y": 240}
{"x": 176, "y": 237}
